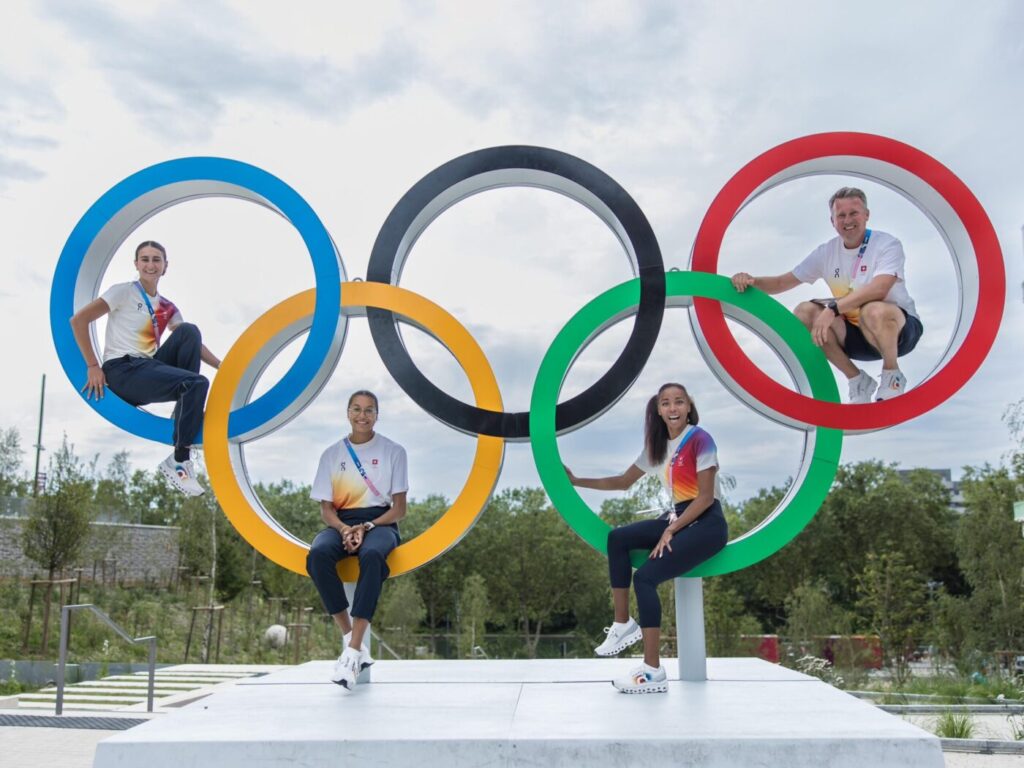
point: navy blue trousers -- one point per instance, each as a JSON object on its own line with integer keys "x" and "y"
{"x": 704, "y": 537}
{"x": 328, "y": 549}
{"x": 172, "y": 375}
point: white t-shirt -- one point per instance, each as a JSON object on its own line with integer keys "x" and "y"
{"x": 699, "y": 453}
{"x": 338, "y": 479}
{"x": 130, "y": 327}
{"x": 843, "y": 271}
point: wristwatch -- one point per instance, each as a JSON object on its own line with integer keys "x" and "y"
{"x": 834, "y": 306}
{"x": 369, "y": 526}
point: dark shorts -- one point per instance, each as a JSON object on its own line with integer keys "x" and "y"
{"x": 858, "y": 348}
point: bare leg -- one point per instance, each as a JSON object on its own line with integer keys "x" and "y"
{"x": 343, "y": 621}
{"x": 620, "y": 601}
{"x": 807, "y": 312}
{"x": 881, "y": 323}
{"x": 652, "y": 643}
{"x": 359, "y": 627}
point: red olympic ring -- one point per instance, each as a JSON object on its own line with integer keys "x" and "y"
{"x": 945, "y": 382}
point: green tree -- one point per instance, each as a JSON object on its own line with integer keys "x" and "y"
{"x": 991, "y": 553}
{"x": 535, "y": 568}
{"x": 57, "y": 527}
{"x": 401, "y": 610}
{"x": 474, "y": 608}
{"x": 112, "y": 492}
{"x": 12, "y": 478}
{"x": 810, "y": 612}
{"x": 893, "y": 600}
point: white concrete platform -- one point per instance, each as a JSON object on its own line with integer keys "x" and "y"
{"x": 525, "y": 713}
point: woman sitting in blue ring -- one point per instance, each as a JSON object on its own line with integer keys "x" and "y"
{"x": 138, "y": 368}
{"x": 361, "y": 485}
{"x": 685, "y": 458}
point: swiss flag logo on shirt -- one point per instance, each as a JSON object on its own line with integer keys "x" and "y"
{"x": 374, "y": 462}
{"x": 863, "y": 267}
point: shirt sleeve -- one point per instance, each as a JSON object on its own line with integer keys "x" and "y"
{"x": 114, "y": 296}
{"x": 812, "y": 267}
{"x": 322, "y": 489}
{"x": 642, "y": 463}
{"x": 891, "y": 260}
{"x": 399, "y": 472}
{"x": 705, "y": 451}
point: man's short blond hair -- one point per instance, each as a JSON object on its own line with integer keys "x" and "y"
{"x": 844, "y": 193}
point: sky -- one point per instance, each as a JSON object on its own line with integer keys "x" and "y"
{"x": 352, "y": 104}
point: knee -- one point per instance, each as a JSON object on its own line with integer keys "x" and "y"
{"x": 807, "y": 312}
{"x": 318, "y": 556}
{"x": 372, "y": 558}
{"x": 615, "y": 539}
{"x": 878, "y": 314}
{"x": 189, "y": 331}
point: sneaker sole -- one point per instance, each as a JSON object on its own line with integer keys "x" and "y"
{"x": 627, "y": 641}
{"x": 661, "y": 687}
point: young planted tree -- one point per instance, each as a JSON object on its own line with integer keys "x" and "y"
{"x": 893, "y": 600}
{"x": 57, "y": 528}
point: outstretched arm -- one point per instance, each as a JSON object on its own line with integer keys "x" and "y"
{"x": 208, "y": 357}
{"x": 770, "y": 285}
{"x": 611, "y": 483}
{"x": 95, "y": 381}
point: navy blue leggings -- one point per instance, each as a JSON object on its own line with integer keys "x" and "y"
{"x": 704, "y": 537}
{"x": 170, "y": 375}
{"x": 328, "y": 549}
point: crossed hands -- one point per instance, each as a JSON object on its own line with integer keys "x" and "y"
{"x": 352, "y": 538}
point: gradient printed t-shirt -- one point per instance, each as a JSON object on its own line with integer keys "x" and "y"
{"x": 680, "y": 480}
{"x": 840, "y": 268}
{"x": 339, "y": 482}
{"x": 129, "y": 327}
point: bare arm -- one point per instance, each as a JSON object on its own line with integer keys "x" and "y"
{"x": 611, "y": 483}
{"x": 875, "y": 290}
{"x": 95, "y": 381}
{"x": 770, "y": 285}
{"x": 330, "y": 517}
{"x": 397, "y": 511}
{"x": 208, "y": 357}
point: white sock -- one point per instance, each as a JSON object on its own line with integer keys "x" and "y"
{"x": 649, "y": 669}
{"x": 625, "y": 623}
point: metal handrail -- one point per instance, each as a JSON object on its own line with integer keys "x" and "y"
{"x": 65, "y": 623}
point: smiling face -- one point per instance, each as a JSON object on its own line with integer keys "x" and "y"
{"x": 674, "y": 407}
{"x": 850, "y": 219}
{"x": 151, "y": 263}
{"x": 362, "y": 415}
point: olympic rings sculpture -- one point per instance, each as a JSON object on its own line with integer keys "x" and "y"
{"x": 231, "y": 419}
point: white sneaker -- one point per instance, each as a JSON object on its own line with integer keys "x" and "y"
{"x": 365, "y": 659}
{"x": 346, "y": 668}
{"x": 620, "y": 637}
{"x": 893, "y": 384}
{"x": 862, "y": 387}
{"x": 640, "y": 680}
{"x": 182, "y": 475}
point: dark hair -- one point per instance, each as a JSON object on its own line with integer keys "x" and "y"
{"x": 655, "y": 431}
{"x": 150, "y": 244}
{"x": 364, "y": 393}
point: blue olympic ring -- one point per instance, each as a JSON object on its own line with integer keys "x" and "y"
{"x": 112, "y": 219}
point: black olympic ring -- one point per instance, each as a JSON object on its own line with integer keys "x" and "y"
{"x": 523, "y": 166}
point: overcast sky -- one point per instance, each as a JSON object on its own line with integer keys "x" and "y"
{"x": 351, "y": 105}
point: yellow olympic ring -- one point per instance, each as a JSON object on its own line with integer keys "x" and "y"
{"x": 275, "y": 543}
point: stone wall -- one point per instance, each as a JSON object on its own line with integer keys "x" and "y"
{"x": 131, "y": 553}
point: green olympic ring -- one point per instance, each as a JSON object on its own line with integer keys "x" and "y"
{"x": 765, "y": 316}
